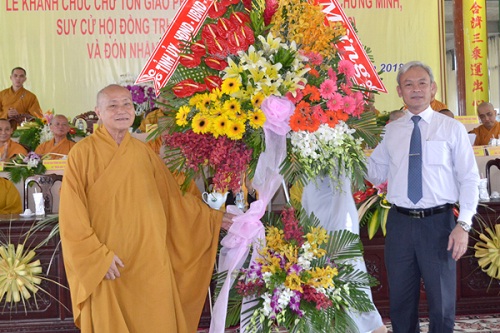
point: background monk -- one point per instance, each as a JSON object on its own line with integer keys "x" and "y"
{"x": 8, "y": 148}
{"x": 16, "y": 99}
{"x": 10, "y": 200}
{"x": 138, "y": 254}
{"x": 490, "y": 128}
{"x": 60, "y": 144}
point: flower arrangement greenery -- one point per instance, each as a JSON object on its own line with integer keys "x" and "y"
{"x": 32, "y": 133}
{"x": 373, "y": 207}
{"x": 21, "y": 167}
{"x": 302, "y": 279}
{"x": 245, "y": 53}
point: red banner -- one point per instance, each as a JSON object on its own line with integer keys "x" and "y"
{"x": 165, "y": 58}
{"x": 350, "y": 48}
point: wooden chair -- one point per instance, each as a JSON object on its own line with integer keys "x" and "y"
{"x": 489, "y": 164}
{"x": 45, "y": 183}
{"x": 89, "y": 119}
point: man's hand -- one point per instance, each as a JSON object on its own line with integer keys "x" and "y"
{"x": 12, "y": 112}
{"x": 458, "y": 240}
{"x": 113, "y": 272}
{"x": 227, "y": 221}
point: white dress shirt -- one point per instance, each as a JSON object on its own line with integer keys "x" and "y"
{"x": 449, "y": 169}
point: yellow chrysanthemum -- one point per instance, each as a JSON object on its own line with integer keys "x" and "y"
{"x": 232, "y": 106}
{"x": 488, "y": 252}
{"x": 181, "y": 116}
{"x": 219, "y": 126}
{"x": 256, "y": 119}
{"x": 231, "y": 85}
{"x": 235, "y": 130}
{"x": 200, "y": 124}
{"x": 257, "y": 99}
{"x": 203, "y": 103}
{"x": 293, "y": 282}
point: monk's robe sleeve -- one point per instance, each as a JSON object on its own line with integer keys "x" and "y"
{"x": 192, "y": 241}
{"x": 10, "y": 199}
{"x": 86, "y": 259}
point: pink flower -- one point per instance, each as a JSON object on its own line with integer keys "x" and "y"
{"x": 335, "y": 103}
{"x": 278, "y": 111}
{"x": 347, "y": 68}
{"x": 314, "y": 58}
{"x": 319, "y": 113}
{"x": 297, "y": 98}
{"x": 271, "y": 8}
{"x": 332, "y": 75}
{"x": 349, "y": 104}
{"x": 381, "y": 188}
{"x": 327, "y": 89}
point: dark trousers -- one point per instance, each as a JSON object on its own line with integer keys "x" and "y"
{"x": 415, "y": 249}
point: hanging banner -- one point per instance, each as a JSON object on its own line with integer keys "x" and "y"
{"x": 191, "y": 16}
{"x": 165, "y": 58}
{"x": 475, "y": 54}
{"x": 350, "y": 48}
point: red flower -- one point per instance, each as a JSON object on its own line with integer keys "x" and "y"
{"x": 359, "y": 197}
{"x": 72, "y": 131}
{"x": 371, "y": 191}
{"x": 217, "y": 10}
{"x": 198, "y": 48}
{"x": 239, "y": 18}
{"x": 187, "y": 88}
{"x": 213, "y": 82}
{"x": 215, "y": 63}
{"x": 271, "y": 8}
{"x": 225, "y": 27}
{"x": 190, "y": 60}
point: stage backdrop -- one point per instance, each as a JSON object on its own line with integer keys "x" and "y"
{"x": 72, "y": 48}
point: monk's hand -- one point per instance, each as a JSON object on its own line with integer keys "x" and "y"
{"x": 227, "y": 221}
{"x": 457, "y": 242}
{"x": 12, "y": 112}
{"x": 113, "y": 272}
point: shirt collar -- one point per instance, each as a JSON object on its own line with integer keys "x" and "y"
{"x": 426, "y": 115}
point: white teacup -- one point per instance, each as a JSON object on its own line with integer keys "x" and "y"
{"x": 214, "y": 199}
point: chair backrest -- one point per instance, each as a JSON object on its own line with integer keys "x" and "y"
{"x": 489, "y": 164}
{"x": 45, "y": 182}
{"x": 89, "y": 119}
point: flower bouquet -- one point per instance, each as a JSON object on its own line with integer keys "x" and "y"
{"x": 301, "y": 280}
{"x": 32, "y": 133}
{"x": 373, "y": 207}
{"x": 21, "y": 167}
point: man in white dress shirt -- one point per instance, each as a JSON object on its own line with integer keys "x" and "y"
{"x": 423, "y": 240}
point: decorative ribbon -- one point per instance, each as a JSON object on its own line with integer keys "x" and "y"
{"x": 247, "y": 229}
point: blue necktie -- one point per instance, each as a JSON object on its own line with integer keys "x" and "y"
{"x": 415, "y": 163}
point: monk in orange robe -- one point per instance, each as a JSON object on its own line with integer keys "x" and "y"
{"x": 138, "y": 254}
{"x": 437, "y": 105}
{"x": 60, "y": 145}
{"x": 8, "y": 148}
{"x": 10, "y": 199}
{"x": 490, "y": 128}
{"x": 18, "y": 100}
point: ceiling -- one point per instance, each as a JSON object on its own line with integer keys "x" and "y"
{"x": 492, "y": 16}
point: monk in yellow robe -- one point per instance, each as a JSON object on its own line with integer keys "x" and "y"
{"x": 60, "y": 145}
{"x": 138, "y": 254}
{"x": 18, "y": 100}
{"x": 10, "y": 199}
{"x": 8, "y": 148}
{"x": 490, "y": 128}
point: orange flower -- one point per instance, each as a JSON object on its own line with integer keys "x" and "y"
{"x": 297, "y": 122}
{"x": 303, "y": 108}
{"x": 313, "y": 93}
{"x": 312, "y": 124}
{"x": 331, "y": 118}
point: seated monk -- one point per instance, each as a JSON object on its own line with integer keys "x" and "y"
{"x": 8, "y": 148}
{"x": 490, "y": 128}
{"x": 10, "y": 200}
{"x": 60, "y": 145}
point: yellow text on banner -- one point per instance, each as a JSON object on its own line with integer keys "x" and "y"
{"x": 475, "y": 54}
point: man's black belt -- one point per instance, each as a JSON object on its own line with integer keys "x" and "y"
{"x": 420, "y": 213}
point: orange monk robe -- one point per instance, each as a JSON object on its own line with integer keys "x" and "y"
{"x": 62, "y": 147}
{"x": 24, "y": 101}
{"x": 437, "y": 105}
{"x": 156, "y": 145}
{"x": 151, "y": 119}
{"x": 122, "y": 200}
{"x": 13, "y": 148}
{"x": 484, "y": 135}
{"x": 10, "y": 200}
